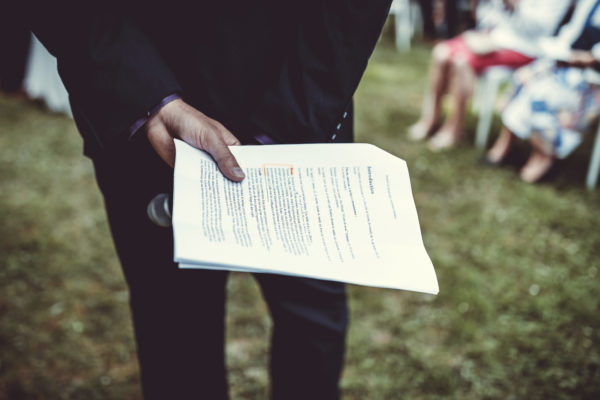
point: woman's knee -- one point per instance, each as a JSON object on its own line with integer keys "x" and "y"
{"x": 441, "y": 54}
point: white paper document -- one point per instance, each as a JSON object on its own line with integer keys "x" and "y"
{"x": 341, "y": 212}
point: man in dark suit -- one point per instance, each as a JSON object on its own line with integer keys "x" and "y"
{"x": 268, "y": 71}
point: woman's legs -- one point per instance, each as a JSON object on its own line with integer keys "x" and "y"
{"x": 439, "y": 78}
{"x": 463, "y": 81}
{"x": 540, "y": 161}
{"x": 498, "y": 152}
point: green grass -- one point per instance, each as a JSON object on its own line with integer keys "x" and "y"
{"x": 518, "y": 268}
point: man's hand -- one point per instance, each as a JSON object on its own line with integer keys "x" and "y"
{"x": 182, "y": 121}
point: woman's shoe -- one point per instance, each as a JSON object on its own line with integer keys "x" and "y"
{"x": 417, "y": 132}
{"x": 487, "y": 162}
{"x": 443, "y": 140}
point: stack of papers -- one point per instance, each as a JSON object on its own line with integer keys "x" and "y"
{"x": 341, "y": 212}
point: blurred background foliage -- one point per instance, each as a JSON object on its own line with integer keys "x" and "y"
{"x": 518, "y": 268}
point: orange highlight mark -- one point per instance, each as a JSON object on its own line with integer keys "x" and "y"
{"x": 265, "y": 166}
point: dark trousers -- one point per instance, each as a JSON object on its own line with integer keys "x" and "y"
{"x": 178, "y": 314}
{"x": 15, "y": 40}
{"x": 450, "y": 18}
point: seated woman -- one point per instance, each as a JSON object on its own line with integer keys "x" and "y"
{"x": 556, "y": 98}
{"x": 508, "y": 34}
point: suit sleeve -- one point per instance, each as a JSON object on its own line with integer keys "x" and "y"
{"x": 326, "y": 58}
{"x": 111, "y": 70}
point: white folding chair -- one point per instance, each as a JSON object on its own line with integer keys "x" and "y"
{"x": 42, "y": 80}
{"x": 404, "y": 27}
{"x": 484, "y": 100}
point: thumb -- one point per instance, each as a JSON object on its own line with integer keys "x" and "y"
{"x": 228, "y": 165}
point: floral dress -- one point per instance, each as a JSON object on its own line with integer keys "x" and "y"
{"x": 555, "y": 103}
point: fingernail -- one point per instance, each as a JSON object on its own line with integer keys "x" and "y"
{"x": 238, "y": 172}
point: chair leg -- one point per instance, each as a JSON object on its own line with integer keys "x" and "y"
{"x": 415, "y": 19}
{"x": 402, "y": 24}
{"x": 486, "y": 111}
{"x": 594, "y": 168}
{"x": 478, "y": 95}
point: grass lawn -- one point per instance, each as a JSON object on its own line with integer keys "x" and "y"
{"x": 517, "y": 316}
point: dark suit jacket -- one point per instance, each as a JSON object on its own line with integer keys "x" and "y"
{"x": 284, "y": 68}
